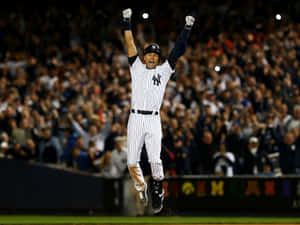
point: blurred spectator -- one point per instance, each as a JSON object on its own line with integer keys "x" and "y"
{"x": 113, "y": 164}
{"x": 235, "y": 81}
{"x": 94, "y": 134}
{"x": 269, "y": 135}
{"x": 16, "y": 152}
{"x": 80, "y": 160}
{"x": 115, "y": 131}
{"x": 201, "y": 159}
{"x": 70, "y": 142}
{"x": 235, "y": 142}
{"x": 288, "y": 154}
{"x": 31, "y": 151}
{"x": 50, "y": 149}
{"x": 21, "y": 134}
{"x": 119, "y": 156}
{"x": 247, "y": 128}
{"x": 181, "y": 157}
{"x": 295, "y": 121}
{"x": 255, "y": 160}
{"x": 190, "y": 146}
{"x": 107, "y": 168}
{"x": 284, "y": 119}
{"x": 224, "y": 162}
{"x": 68, "y": 156}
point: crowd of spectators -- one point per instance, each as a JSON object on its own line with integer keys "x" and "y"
{"x": 233, "y": 106}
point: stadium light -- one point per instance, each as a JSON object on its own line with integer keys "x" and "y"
{"x": 217, "y": 68}
{"x": 145, "y": 16}
{"x": 278, "y": 17}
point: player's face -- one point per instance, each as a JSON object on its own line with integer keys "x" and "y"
{"x": 151, "y": 60}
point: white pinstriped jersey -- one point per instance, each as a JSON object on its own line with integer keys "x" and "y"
{"x": 148, "y": 85}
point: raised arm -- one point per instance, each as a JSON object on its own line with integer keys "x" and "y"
{"x": 181, "y": 42}
{"x": 129, "y": 41}
{"x": 77, "y": 126}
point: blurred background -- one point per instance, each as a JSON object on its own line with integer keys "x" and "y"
{"x": 232, "y": 108}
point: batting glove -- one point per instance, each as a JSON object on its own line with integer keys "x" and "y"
{"x": 189, "y": 21}
{"x": 127, "y": 13}
{"x": 126, "y": 19}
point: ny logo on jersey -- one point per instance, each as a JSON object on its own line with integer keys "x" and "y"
{"x": 156, "y": 80}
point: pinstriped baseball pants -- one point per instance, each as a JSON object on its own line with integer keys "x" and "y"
{"x": 145, "y": 129}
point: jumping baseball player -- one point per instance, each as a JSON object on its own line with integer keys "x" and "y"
{"x": 149, "y": 80}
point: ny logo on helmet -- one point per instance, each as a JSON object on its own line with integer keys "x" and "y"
{"x": 156, "y": 79}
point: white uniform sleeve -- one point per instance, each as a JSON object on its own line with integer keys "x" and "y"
{"x": 135, "y": 63}
{"x": 167, "y": 69}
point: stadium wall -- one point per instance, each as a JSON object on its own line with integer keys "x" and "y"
{"x": 34, "y": 187}
{"x": 39, "y": 188}
{"x": 238, "y": 193}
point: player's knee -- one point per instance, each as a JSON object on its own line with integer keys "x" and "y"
{"x": 132, "y": 163}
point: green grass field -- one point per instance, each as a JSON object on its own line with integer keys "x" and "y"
{"x": 143, "y": 220}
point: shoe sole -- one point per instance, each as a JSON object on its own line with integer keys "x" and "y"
{"x": 155, "y": 211}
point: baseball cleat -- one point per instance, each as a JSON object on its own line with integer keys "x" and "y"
{"x": 157, "y": 196}
{"x": 157, "y": 205}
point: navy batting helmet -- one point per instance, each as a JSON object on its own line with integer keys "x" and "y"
{"x": 153, "y": 47}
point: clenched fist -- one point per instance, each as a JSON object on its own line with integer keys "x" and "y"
{"x": 189, "y": 20}
{"x": 127, "y": 13}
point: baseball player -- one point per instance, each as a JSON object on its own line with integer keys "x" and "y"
{"x": 149, "y": 80}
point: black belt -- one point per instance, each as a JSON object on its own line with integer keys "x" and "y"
{"x": 144, "y": 112}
